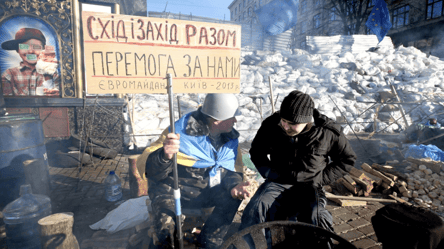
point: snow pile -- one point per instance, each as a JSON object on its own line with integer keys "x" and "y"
{"x": 344, "y": 87}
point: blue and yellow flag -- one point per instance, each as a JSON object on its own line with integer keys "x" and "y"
{"x": 278, "y": 16}
{"x": 379, "y": 20}
{"x": 204, "y": 154}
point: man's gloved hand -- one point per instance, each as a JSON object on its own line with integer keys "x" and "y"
{"x": 171, "y": 145}
{"x": 241, "y": 191}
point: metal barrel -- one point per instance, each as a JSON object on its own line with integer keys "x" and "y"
{"x": 21, "y": 139}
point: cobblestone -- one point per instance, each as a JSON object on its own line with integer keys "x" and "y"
{"x": 364, "y": 243}
{"x": 89, "y": 205}
{"x": 348, "y": 216}
{"x": 352, "y": 235}
{"x": 367, "y": 230}
{"x": 342, "y": 228}
{"x": 358, "y": 223}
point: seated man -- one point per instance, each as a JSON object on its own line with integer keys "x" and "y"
{"x": 432, "y": 123}
{"x": 296, "y": 157}
{"x": 208, "y": 160}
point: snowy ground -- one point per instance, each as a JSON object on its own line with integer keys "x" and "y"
{"x": 341, "y": 85}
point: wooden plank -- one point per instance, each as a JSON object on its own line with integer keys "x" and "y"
{"x": 349, "y": 203}
{"x": 400, "y": 200}
{"x": 354, "y": 198}
{"x": 367, "y": 168}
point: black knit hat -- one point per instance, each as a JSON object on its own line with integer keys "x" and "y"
{"x": 297, "y": 107}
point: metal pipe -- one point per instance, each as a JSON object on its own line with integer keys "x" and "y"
{"x": 175, "y": 175}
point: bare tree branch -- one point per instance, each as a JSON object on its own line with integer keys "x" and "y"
{"x": 353, "y": 14}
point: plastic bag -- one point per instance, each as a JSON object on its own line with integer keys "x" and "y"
{"x": 129, "y": 214}
{"x": 424, "y": 151}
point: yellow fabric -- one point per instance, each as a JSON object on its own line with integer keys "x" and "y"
{"x": 182, "y": 158}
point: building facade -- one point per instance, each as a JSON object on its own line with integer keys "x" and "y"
{"x": 242, "y": 11}
{"x": 415, "y": 22}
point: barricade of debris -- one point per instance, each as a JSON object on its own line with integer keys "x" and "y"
{"x": 422, "y": 185}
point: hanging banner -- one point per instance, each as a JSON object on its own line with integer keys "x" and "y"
{"x": 133, "y": 54}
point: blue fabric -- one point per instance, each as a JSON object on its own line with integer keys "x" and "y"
{"x": 200, "y": 148}
{"x": 278, "y": 16}
{"x": 379, "y": 20}
{"x": 424, "y": 151}
{"x": 437, "y": 125}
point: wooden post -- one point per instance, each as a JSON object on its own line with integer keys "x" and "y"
{"x": 399, "y": 105}
{"x": 271, "y": 93}
{"x": 37, "y": 175}
{"x": 56, "y": 231}
{"x": 138, "y": 184}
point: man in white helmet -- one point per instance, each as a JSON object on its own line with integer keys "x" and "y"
{"x": 209, "y": 162}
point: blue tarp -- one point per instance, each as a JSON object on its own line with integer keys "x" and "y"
{"x": 424, "y": 151}
{"x": 278, "y": 16}
{"x": 379, "y": 20}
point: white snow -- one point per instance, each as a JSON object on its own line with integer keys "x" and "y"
{"x": 327, "y": 78}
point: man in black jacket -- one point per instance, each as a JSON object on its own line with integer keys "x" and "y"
{"x": 297, "y": 156}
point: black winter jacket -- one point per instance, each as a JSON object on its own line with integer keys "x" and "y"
{"x": 318, "y": 156}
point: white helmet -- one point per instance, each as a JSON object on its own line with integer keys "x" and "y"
{"x": 221, "y": 106}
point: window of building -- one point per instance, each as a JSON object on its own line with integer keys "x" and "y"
{"x": 255, "y": 6}
{"x": 317, "y": 21}
{"x": 303, "y": 43}
{"x": 235, "y": 11}
{"x": 260, "y": 3}
{"x": 317, "y": 3}
{"x": 240, "y": 7}
{"x": 303, "y": 27}
{"x": 245, "y": 3}
{"x": 250, "y": 11}
{"x": 400, "y": 16}
{"x": 332, "y": 16}
{"x": 303, "y": 6}
{"x": 434, "y": 9}
{"x": 245, "y": 15}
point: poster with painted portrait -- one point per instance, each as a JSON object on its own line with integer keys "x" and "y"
{"x": 29, "y": 58}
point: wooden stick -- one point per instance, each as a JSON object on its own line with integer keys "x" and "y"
{"x": 349, "y": 203}
{"x": 271, "y": 93}
{"x": 400, "y": 200}
{"x": 399, "y": 105}
{"x": 354, "y": 198}
{"x": 384, "y": 178}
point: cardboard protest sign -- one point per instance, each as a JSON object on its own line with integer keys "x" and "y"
{"x": 132, "y": 54}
